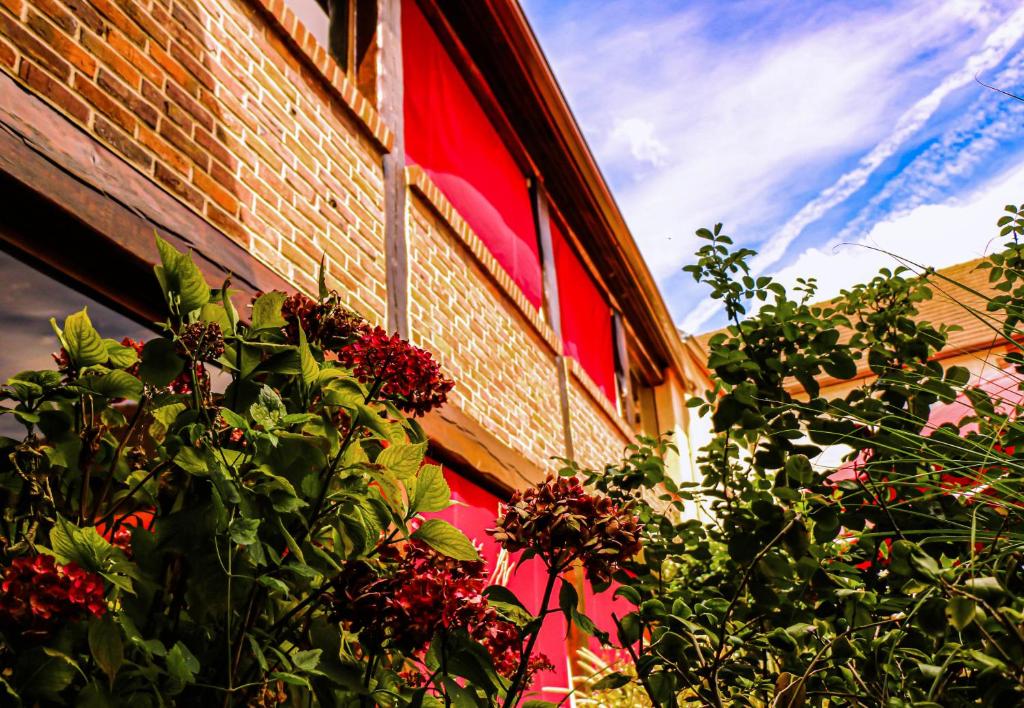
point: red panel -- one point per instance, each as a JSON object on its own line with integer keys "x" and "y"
{"x": 448, "y": 134}
{"x": 474, "y": 514}
{"x": 586, "y": 316}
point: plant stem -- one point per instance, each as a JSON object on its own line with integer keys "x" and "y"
{"x": 514, "y": 688}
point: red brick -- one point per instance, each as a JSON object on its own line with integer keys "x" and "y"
{"x": 35, "y": 49}
{"x": 164, "y": 151}
{"x": 178, "y": 186}
{"x": 122, "y": 143}
{"x": 120, "y": 20}
{"x": 102, "y": 102}
{"x": 53, "y": 90}
{"x": 174, "y": 69}
{"x": 61, "y": 17}
{"x": 214, "y": 191}
{"x": 179, "y": 97}
{"x": 216, "y": 149}
{"x": 185, "y": 144}
{"x": 15, "y": 6}
{"x": 100, "y": 49}
{"x": 128, "y": 98}
{"x": 61, "y": 43}
{"x": 225, "y": 223}
{"x": 193, "y": 65}
{"x": 8, "y": 56}
{"x": 83, "y": 10}
{"x": 134, "y": 10}
{"x": 130, "y": 53}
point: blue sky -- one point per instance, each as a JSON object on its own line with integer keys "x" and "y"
{"x": 812, "y": 130}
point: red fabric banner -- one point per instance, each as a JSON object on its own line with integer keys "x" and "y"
{"x": 474, "y": 513}
{"x": 448, "y": 134}
{"x": 586, "y": 316}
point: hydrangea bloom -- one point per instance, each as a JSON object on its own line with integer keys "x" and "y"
{"x": 408, "y": 376}
{"x": 37, "y": 595}
{"x": 428, "y": 591}
{"x": 327, "y": 323}
{"x": 561, "y": 522}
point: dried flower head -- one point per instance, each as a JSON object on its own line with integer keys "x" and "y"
{"x": 201, "y": 341}
{"x": 425, "y": 592}
{"x": 326, "y": 323}
{"x": 38, "y": 595}
{"x": 561, "y": 522}
{"x": 406, "y": 375}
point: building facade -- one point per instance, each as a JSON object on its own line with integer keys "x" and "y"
{"x": 421, "y": 148}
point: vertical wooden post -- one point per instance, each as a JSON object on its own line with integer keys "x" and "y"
{"x": 622, "y": 368}
{"x": 542, "y": 223}
{"x": 392, "y": 112}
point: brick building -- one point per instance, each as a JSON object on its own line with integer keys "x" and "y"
{"x": 423, "y": 147}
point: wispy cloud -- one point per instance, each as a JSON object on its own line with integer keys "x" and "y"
{"x": 761, "y": 115}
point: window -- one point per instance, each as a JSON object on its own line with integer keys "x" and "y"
{"x": 585, "y": 315}
{"x": 348, "y": 29}
{"x": 449, "y": 135}
{"x": 28, "y": 300}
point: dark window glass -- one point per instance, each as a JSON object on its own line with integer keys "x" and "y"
{"x": 28, "y": 299}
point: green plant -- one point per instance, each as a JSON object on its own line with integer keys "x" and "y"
{"x": 897, "y": 582}
{"x": 165, "y": 542}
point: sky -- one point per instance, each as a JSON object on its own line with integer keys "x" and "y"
{"x": 820, "y": 133}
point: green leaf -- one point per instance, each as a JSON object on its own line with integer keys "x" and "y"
{"x": 215, "y": 312}
{"x": 244, "y": 531}
{"x": 121, "y": 357}
{"x": 445, "y": 538}
{"x": 161, "y": 364}
{"x": 611, "y": 681}
{"x": 432, "y": 491}
{"x": 266, "y": 311}
{"x": 310, "y": 368}
{"x": 307, "y": 660}
{"x": 960, "y": 612}
{"x": 403, "y": 459}
{"x": 538, "y": 704}
{"x": 183, "y": 284}
{"x": 83, "y": 343}
{"x": 182, "y": 665}
{"x": 113, "y": 384}
{"x": 568, "y": 600}
{"x": 273, "y": 584}
{"x": 106, "y": 646}
{"x": 85, "y": 547}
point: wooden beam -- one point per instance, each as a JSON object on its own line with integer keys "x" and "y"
{"x": 542, "y": 225}
{"x": 392, "y": 110}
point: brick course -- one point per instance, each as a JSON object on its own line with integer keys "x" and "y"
{"x": 231, "y": 107}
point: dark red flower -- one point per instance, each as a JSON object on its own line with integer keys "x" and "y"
{"x": 326, "y": 323}
{"x": 426, "y": 592}
{"x": 201, "y": 341}
{"x": 37, "y": 595}
{"x": 561, "y": 522}
{"x": 406, "y": 375}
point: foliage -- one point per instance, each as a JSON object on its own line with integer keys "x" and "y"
{"x": 893, "y": 580}
{"x": 167, "y": 542}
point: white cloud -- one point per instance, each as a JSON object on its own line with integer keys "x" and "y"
{"x": 637, "y": 136}
{"x": 697, "y": 116}
{"x": 935, "y": 235}
{"x": 992, "y": 52}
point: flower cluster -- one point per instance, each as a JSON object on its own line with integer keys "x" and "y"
{"x": 201, "y": 341}
{"x": 561, "y": 522}
{"x": 326, "y": 323}
{"x": 428, "y": 591}
{"x": 182, "y": 384}
{"x": 37, "y": 595}
{"x": 406, "y": 375}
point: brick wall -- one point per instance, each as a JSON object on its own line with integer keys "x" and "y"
{"x": 464, "y": 308}
{"x": 599, "y": 435}
{"x": 230, "y": 106}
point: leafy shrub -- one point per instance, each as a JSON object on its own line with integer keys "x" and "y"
{"x": 896, "y": 580}
{"x": 164, "y": 542}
